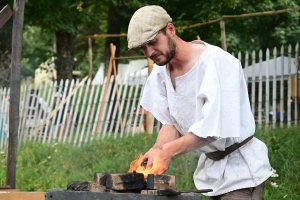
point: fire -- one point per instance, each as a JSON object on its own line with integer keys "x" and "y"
{"x": 138, "y": 166}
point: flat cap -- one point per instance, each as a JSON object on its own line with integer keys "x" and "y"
{"x": 145, "y": 24}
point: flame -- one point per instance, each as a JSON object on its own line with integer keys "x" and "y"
{"x": 138, "y": 166}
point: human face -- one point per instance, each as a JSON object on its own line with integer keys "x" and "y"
{"x": 161, "y": 49}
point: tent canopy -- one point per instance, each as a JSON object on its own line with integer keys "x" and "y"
{"x": 273, "y": 65}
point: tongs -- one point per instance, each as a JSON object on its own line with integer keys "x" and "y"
{"x": 173, "y": 192}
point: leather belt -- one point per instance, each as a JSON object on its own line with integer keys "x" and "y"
{"x": 218, "y": 155}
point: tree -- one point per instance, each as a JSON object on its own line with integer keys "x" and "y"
{"x": 61, "y": 18}
{"x": 242, "y": 34}
{"x": 38, "y": 47}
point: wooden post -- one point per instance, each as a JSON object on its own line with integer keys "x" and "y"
{"x": 148, "y": 114}
{"x": 90, "y": 57}
{"x": 223, "y": 35}
{"x": 15, "y": 82}
{"x": 108, "y": 75}
{"x": 113, "y": 52}
{"x": 5, "y": 15}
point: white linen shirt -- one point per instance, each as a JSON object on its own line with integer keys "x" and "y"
{"x": 211, "y": 100}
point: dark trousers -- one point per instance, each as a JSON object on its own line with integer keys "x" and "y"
{"x": 254, "y": 193}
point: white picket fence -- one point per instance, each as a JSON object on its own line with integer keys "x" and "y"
{"x": 78, "y": 112}
{"x": 274, "y": 86}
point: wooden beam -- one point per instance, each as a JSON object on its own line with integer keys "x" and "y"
{"x": 113, "y": 52}
{"x": 22, "y": 196}
{"x": 148, "y": 114}
{"x": 107, "y": 35}
{"x": 129, "y": 57}
{"x": 239, "y": 16}
{"x": 5, "y": 15}
{"x": 108, "y": 75}
{"x": 90, "y": 58}
{"x": 4, "y": 187}
{"x": 223, "y": 35}
{"x": 261, "y": 13}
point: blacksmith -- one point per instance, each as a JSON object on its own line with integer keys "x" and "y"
{"x": 199, "y": 94}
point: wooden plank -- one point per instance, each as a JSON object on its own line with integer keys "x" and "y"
{"x": 148, "y": 114}
{"x": 136, "y": 88}
{"x": 97, "y": 119}
{"x": 23, "y": 196}
{"x": 253, "y": 84}
{"x": 73, "y": 112}
{"x": 115, "y": 109}
{"x": 105, "y": 109}
{"x": 109, "y": 71}
{"x": 88, "y": 116}
{"x": 223, "y": 35}
{"x": 4, "y": 186}
{"x": 80, "y": 116}
{"x": 260, "y": 90}
{"x": 121, "y": 111}
{"x": 289, "y": 86}
{"x": 274, "y": 88}
{"x": 296, "y": 84}
{"x": 90, "y": 57}
{"x": 94, "y": 111}
{"x": 49, "y": 99}
{"x": 160, "y": 181}
{"x": 8, "y": 190}
{"x": 84, "y": 111}
{"x": 282, "y": 87}
{"x": 125, "y": 181}
{"x": 5, "y": 15}
{"x": 267, "y": 106}
{"x": 64, "y": 114}
{"x": 94, "y": 187}
{"x": 109, "y": 111}
{"x": 70, "y": 102}
{"x": 242, "y": 15}
{"x": 127, "y": 107}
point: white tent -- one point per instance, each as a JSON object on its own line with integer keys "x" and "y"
{"x": 280, "y": 62}
{"x": 124, "y": 70}
{"x": 99, "y": 77}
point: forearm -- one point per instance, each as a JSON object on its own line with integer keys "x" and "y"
{"x": 184, "y": 144}
{"x": 166, "y": 134}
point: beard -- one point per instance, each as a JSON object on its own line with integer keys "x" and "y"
{"x": 168, "y": 55}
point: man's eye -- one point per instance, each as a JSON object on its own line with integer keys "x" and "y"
{"x": 152, "y": 42}
{"x": 142, "y": 48}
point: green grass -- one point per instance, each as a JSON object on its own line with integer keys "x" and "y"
{"x": 43, "y": 167}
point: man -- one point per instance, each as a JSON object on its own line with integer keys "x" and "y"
{"x": 199, "y": 94}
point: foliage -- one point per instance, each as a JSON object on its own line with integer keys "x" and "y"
{"x": 88, "y": 17}
{"x": 42, "y": 167}
{"x": 35, "y": 51}
{"x": 242, "y": 34}
{"x": 57, "y": 16}
{"x": 62, "y": 18}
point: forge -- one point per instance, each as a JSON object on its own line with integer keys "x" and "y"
{"x": 125, "y": 186}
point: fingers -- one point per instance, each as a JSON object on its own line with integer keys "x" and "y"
{"x": 148, "y": 159}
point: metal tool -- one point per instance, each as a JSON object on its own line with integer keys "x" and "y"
{"x": 173, "y": 192}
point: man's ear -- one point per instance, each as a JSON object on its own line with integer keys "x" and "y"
{"x": 171, "y": 30}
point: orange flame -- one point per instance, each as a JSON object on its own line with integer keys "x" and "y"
{"x": 137, "y": 166}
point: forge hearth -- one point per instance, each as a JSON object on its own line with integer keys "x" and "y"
{"x": 117, "y": 186}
